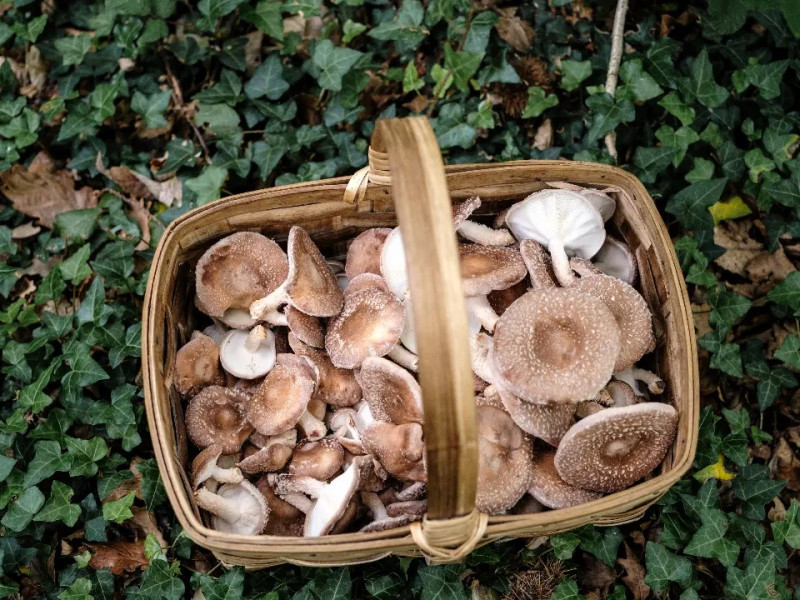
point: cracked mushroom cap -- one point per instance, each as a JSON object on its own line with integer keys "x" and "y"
{"x": 563, "y": 221}
{"x": 552, "y": 491}
{"x": 614, "y": 448}
{"x": 399, "y": 448}
{"x": 197, "y": 365}
{"x": 364, "y": 253}
{"x": 321, "y": 459}
{"x": 615, "y": 258}
{"x": 311, "y": 284}
{"x": 548, "y": 422}
{"x": 391, "y": 392}
{"x": 370, "y": 324}
{"x": 248, "y": 354}
{"x": 283, "y": 396}
{"x": 217, "y": 416}
{"x": 335, "y": 386}
{"x": 488, "y": 268}
{"x": 556, "y": 345}
{"x": 633, "y": 316}
{"x": 504, "y": 459}
{"x": 237, "y": 508}
{"x": 238, "y": 270}
{"x": 308, "y": 329}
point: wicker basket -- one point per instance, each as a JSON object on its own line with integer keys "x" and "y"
{"x": 420, "y": 191}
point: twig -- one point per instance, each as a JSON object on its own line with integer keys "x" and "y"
{"x": 617, "y": 44}
{"x": 178, "y": 95}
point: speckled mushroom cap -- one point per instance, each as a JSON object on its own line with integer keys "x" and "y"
{"x": 399, "y": 449}
{"x": 236, "y": 508}
{"x": 392, "y": 393}
{"x": 283, "y": 396}
{"x": 238, "y": 270}
{"x": 555, "y": 345}
{"x": 538, "y": 263}
{"x": 614, "y": 448}
{"x": 548, "y": 422}
{"x": 552, "y": 491}
{"x": 633, "y": 316}
{"x": 364, "y": 281}
{"x": 217, "y": 416}
{"x": 308, "y": 329}
{"x": 311, "y": 284}
{"x": 197, "y": 365}
{"x": 284, "y": 519}
{"x": 463, "y": 210}
{"x": 321, "y": 459}
{"x": 615, "y": 258}
{"x": 364, "y": 253}
{"x": 370, "y": 324}
{"x": 204, "y": 467}
{"x": 335, "y": 386}
{"x": 273, "y": 456}
{"x": 504, "y": 459}
{"x": 485, "y": 268}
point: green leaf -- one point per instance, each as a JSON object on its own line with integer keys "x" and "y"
{"x": 73, "y": 49}
{"x": 787, "y": 293}
{"x": 75, "y": 269}
{"x": 567, "y": 590}
{"x": 727, "y": 308}
{"x": 153, "y": 492}
{"x": 220, "y": 119}
{"x": 574, "y": 72}
{"x": 442, "y": 583}
{"x": 151, "y": 108}
{"x": 226, "y": 91}
{"x": 267, "y": 80}
{"x": 47, "y": 461}
{"x": 709, "y": 541}
{"x": 753, "y": 583}
{"x": 352, "y": 30}
{"x": 767, "y": 78}
{"x": 405, "y": 28}
{"x": 80, "y": 589}
{"x": 21, "y": 511}
{"x": 334, "y": 63}
{"x": 58, "y": 507}
{"x": 675, "y": 105}
{"x": 679, "y": 139}
{"x": 758, "y": 164}
{"x": 84, "y": 371}
{"x": 411, "y": 79}
{"x": 385, "y": 587}
{"x": 85, "y": 454}
{"x": 602, "y": 542}
{"x": 227, "y": 587}
{"x": 538, "y": 102}
{"x": 159, "y": 582}
{"x": 119, "y": 511}
{"x": 462, "y": 65}
{"x": 788, "y": 530}
{"x": 664, "y": 567}
{"x": 728, "y": 360}
{"x": 652, "y": 161}
{"x": 77, "y": 224}
{"x": 640, "y": 84}
{"x": 754, "y": 487}
{"x": 208, "y": 184}
{"x": 691, "y": 204}
{"x": 607, "y": 114}
{"x": 91, "y": 307}
{"x": 564, "y": 544}
{"x": 701, "y": 84}
{"x": 266, "y": 16}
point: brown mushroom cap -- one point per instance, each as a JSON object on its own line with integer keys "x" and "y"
{"x": 238, "y": 270}
{"x": 391, "y": 392}
{"x": 548, "y": 422}
{"x": 556, "y": 345}
{"x": 335, "y": 386}
{"x": 634, "y": 319}
{"x": 484, "y": 268}
{"x": 464, "y": 210}
{"x": 399, "y": 448}
{"x": 500, "y": 300}
{"x": 614, "y": 448}
{"x": 283, "y": 396}
{"x": 321, "y": 459}
{"x": 217, "y": 416}
{"x": 308, "y": 329}
{"x": 284, "y": 519}
{"x": 272, "y": 457}
{"x": 364, "y": 281}
{"x": 552, "y": 491}
{"x": 197, "y": 365}
{"x": 364, "y": 253}
{"x": 540, "y": 267}
{"x": 205, "y": 467}
{"x": 370, "y": 324}
{"x": 312, "y": 285}
{"x": 504, "y": 460}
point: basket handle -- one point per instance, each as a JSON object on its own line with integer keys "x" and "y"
{"x": 424, "y": 212}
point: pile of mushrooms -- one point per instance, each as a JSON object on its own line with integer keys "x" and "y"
{"x": 302, "y": 397}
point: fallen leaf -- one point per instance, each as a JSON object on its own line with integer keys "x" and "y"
{"x": 732, "y": 208}
{"x": 785, "y": 465}
{"x": 768, "y": 270}
{"x": 37, "y": 267}
{"x": 118, "y": 556}
{"x": 125, "y": 64}
{"x": 596, "y": 575}
{"x": 544, "y": 136}
{"x": 135, "y": 184}
{"x": 740, "y": 247}
{"x": 24, "y": 231}
{"x": 777, "y": 512}
{"x": 143, "y": 522}
{"x": 515, "y": 31}
{"x": 123, "y": 489}
{"x": 44, "y": 193}
{"x": 252, "y": 49}
{"x": 35, "y": 72}
{"x": 417, "y": 104}
{"x": 16, "y": 68}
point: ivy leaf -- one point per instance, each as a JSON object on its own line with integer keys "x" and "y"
{"x": 754, "y": 487}
{"x": 267, "y": 80}
{"x": 567, "y": 590}
{"x": 119, "y": 511}
{"x": 352, "y": 30}
{"x": 678, "y": 139}
{"x": 728, "y": 360}
{"x": 208, "y": 184}
{"x": 727, "y": 308}
{"x": 80, "y": 589}
{"x": 462, "y": 65}
{"x": 732, "y": 208}
{"x": 151, "y": 108}
{"x": 411, "y": 79}
{"x": 405, "y": 27}
{"x": 603, "y": 542}
{"x": 47, "y": 461}
{"x": 574, "y": 72}
{"x": 675, "y": 106}
{"x": 710, "y": 542}
{"x": 607, "y": 114}
{"x": 227, "y": 587}
{"x": 159, "y": 582}
{"x": 754, "y": 583}
{"x": 538, "y": 102}
{"x": 153, "y": 492}
{"x": 767, "y": 78}
{"x": 664, "y": 567}
{"x": 385, "y": 587}
{"x": 788, "y": 530}
{"x": 266, "y": 15}
{"x": 21, "y": 511}
{"x": 58, "y": 507}
{"x": 442, "y": 583}
{"x": 334, "y": 63}
{"x": 75, "y": 269}
{"x": 652, "y": 161}
{"x": 787, "y": 293}
{"x": 691, "y": 204}
{"x": 85, "y": 454}
{"x": 73, "y": 49}
{"x": 84, "y": 370}
{"x": 564, "y": 544}
{"x": 701, "y": 85}
{"x": 640, "y": 84}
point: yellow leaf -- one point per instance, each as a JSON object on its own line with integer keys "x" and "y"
{"x": 714, "y": 471}
{"x": 733, "y": 208}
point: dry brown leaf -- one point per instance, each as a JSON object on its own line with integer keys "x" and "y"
{"x": 125, "y": 64}
{"x": 125, "y": 179}
{"x": 37, "y": 267}
{"x": 252, "y": 49}
{"x": 785, "y": 465}
{"x": 123, "y": 489}
{"x": 634, "y": 575}
{"x": 118, "y": 556}
{"x": 44, "y": 193}
{"x": 24, "y": 231}
{"x": 596, "y": 575}
{"x": 740, "y": 247}
{"x": 777, "y": 512}
{"x": 544, "y": 136}
{"x": 417, "y": 105}
{"x": 142, "y": 217}
{"x": 517, "y": 32}
{"x": 768, "y": 270}
{"x": 16, "y": 68}
{"x": 35, "y": 72}
{"x": 143, "y": 523}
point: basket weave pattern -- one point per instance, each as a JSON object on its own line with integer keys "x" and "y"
{"x": 406, "y": 183}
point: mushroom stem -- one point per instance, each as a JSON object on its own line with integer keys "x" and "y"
{"x": 312, "y": 427}
{"x": 561, "y": 267}
{"x": 416, "y": 491}
{"x": 223, "y": 475}
{"x": 631, "y": 376}
{"x": 403, "y": 357}
{"x": 481, "y": 309}
{"x": 290, "y": 484}
{"x": 277, "y": 318}
{"x": 364, "y": 417}
{"x": 482, "y": 234}
{"x": 226, "y": 509}
{"x": 262, "y": 308}
{"x": 300, "y": 501}
{"x": 375, "y": 506}
{"x": 537, "y": 262}
{"x": 257, "y": 335}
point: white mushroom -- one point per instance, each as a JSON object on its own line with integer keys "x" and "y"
{"x": 248, "y": 355}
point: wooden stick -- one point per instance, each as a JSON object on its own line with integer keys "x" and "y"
{"x": 617, "y": 44}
